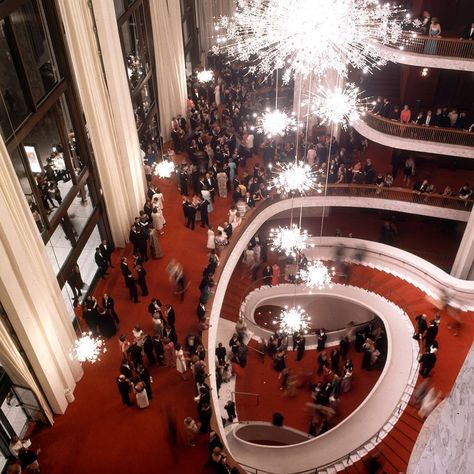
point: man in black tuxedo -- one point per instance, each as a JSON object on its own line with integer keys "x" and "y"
{"x": 191, "y": 216}
{"x": 385, "y": 109}
{"x": 106, "y": 251}
{"x": 101, "y": 263}
{"x": 170, "y": 315}
{"x": 203, "y": 208}
{"x": 468, "y": 33}
{"x": 141, "y": 274}
{"x": 132, "y": 287}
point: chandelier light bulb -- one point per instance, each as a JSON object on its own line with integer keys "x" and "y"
{"x": 164, "y": 169}
{"x": 293, "y": 177}
{"x": 338, "y": 106}
{"x": 206, "y": 75}
{"x": 289, "y": 240}
{"x": 317, "y": 275}
{"x": 277, "y": 34}
{"x": 294, "y": 319}
{"x": 88, "y": 348}
{"x": 276, "y": 122}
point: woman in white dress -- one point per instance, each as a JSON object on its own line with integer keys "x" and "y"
{"x": 206, "y": 194}
{"x": 234, "y": 219}
{"x": 211, "y": 239}
{"x": 158, "y": 200}
{"x": 141, "y": 396}
{"x": 158, "y": 220}
{"x": 217, "y": 95}
{"x": 180, "y": 361}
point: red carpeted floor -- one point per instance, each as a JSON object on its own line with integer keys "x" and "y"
{"x": 99, "y": 434}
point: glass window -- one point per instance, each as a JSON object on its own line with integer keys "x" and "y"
{"x": 59, "y": 245}
{"x": 13, "y": 105}
{"x": 119, "y": 7}
{"x": 80, "y": 210}
{"x": 134, "y": 37}
{"x": 35, "y": 48}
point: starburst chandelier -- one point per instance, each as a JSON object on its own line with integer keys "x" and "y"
{"x": 317, "y": 275}
{"x": 289, "y": 240}
{"x": 276, "y": 122}
{"x": 293, "y": 177}
{"x": 310, "y": 36}
{"x": 164, "y": 169}
{"x": 293, "y": 320}
{"x": 88, "y": 348}
{"x": 206, "y": 75}
{"x": 340, "y": 106}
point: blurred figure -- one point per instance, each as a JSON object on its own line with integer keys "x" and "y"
{"x": 429, "y": 403}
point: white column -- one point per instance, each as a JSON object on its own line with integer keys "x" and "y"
{"x": 30, "y": 294}
{"x": 121, "y": 182}
{"x": 169, "y": 59}
{"x": 119, "y": 95}
{"x": 463, "y": 266}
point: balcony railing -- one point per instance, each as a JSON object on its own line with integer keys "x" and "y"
{"x": 419, "y": 132}
{"x": 447, "y": 47}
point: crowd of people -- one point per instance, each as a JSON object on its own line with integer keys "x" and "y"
{"x": 443, "y": 117}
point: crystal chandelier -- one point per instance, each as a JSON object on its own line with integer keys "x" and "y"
{"x": 88, "y": 348}
{"x": 310, "y": 36}
{"x": 276, "y": 122}
{"x": 340, "y": 106}
{"x": 164, "y": 169}
{"x": 293, "y": 320}
{"x": 206, "y": 75}
{"x": 289, "y": 240}
{"x": 293, "y": 177}
{"x": 317, "y": 275}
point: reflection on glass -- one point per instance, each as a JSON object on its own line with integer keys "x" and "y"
{"x": 13, "y": 106}
{"x": 119, "y": 7}
{"x": 80, "y": 211}
{"x": 15, "y": 414}
{"x": 59, "y": 245}
{"x": 35, "y": 48}
{"x": 135, "y": 47}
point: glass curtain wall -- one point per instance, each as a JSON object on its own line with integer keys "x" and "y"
{"x": 136, "y": 38}
{"x": 190, "y": 35}
{"x": 43, "y": 126}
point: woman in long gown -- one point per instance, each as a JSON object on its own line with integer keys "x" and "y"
{"x": 155, "y": 246}
{"x": 276, "y": 274}
{"x": 211, "y": 239}
{"x": 169, "y": 353}
{"x": 158, "y": 220}
{"x": 206, "y": 194}
{"x": 141, "y": 395}
{"x": 222, "y": 183}
{"x": 181, "y": 361}
{"x": 107, "y": 326}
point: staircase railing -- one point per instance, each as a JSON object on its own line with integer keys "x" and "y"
{"x": 432, "y": 46}
{"x": 413, "y": 131}
{"x": 247, "y": 394}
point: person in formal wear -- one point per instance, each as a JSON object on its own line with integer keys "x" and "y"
{"x": 106, "y": 251}
{"x": 106, "y": 323}
{"x": 421, "y": 327}
{"x": 190, "y": 215}
{"x": 123, "y": 385}
{"x": 158, "y": 220}
{"x": 132, "y": 287}
{"x": 276, "y": 274}
{"x": 181, "y": 361}
{"x": 468, "y": 33}
{"x": 427, "y": 362}
{"x": 431, "y": 333}
{"x": 155, "y": 247}
{"x": 425, "y": 21}
{"x": 101, "y": 263}
{"x": 141, "y": 395}
{"x": 109, "y": 304}
{"x": 221, "y": 354}
{"x": 211, "y": 239}
{"x": 322, "y": 337}
{"x": 300, "y": 346}
{"x": 203, "y": 210}
{"x": 222, "y": 183}
{"x": 386, "y": 108}
{"x": 148, "y": 349}
{"x": 268, "y": 275}
{"x": 145, "y": 378}
{"x": 434, "y": 31}
{"x": 124, "y": 268}
{"x": 170, "y": 315}
{"x": 169, "y": 352}
{"x": 141, "y": 279}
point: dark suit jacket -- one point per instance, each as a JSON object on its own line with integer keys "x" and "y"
{"x": 467, "y": 33}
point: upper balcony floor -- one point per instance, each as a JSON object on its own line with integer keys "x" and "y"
{"x": 432, "y": 52}
{"x": 427, "y": 139}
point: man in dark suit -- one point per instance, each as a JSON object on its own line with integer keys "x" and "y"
{"x": 170, "y": 315}
{"x": 201, "y": 311}
{"x": 106, "y": 251}
{"x": 132, "y": 287}
{"x": 101, "y": 263}
{"x": 190, "y": 216}
{"x": 109, "y": 305}
{"x": 249, "y": 200}
{"x": 468, "y": 33}
{"x": 203, "y": 208}
{"x": 385, "y": 109}
{"x": 141, "y": 274}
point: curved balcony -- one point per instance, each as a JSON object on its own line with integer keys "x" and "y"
{"x": 425, "y": 51}
{"x": 437, "y": 140}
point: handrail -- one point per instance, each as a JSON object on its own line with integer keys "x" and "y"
{"x": 411, "y": 131}
{"x": 248, "y": 394}
{"x": 434, "y": 46}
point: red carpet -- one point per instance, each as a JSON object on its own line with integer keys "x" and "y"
{"x": 98, "y": 434}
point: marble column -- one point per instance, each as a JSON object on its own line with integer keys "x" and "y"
{"x": 121, "y": 102}
{"x": 463, "y": 266}
{"x": 109, "y": 128}
{"x": 30, "y": 294}
{"x": 170, "y": 67}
